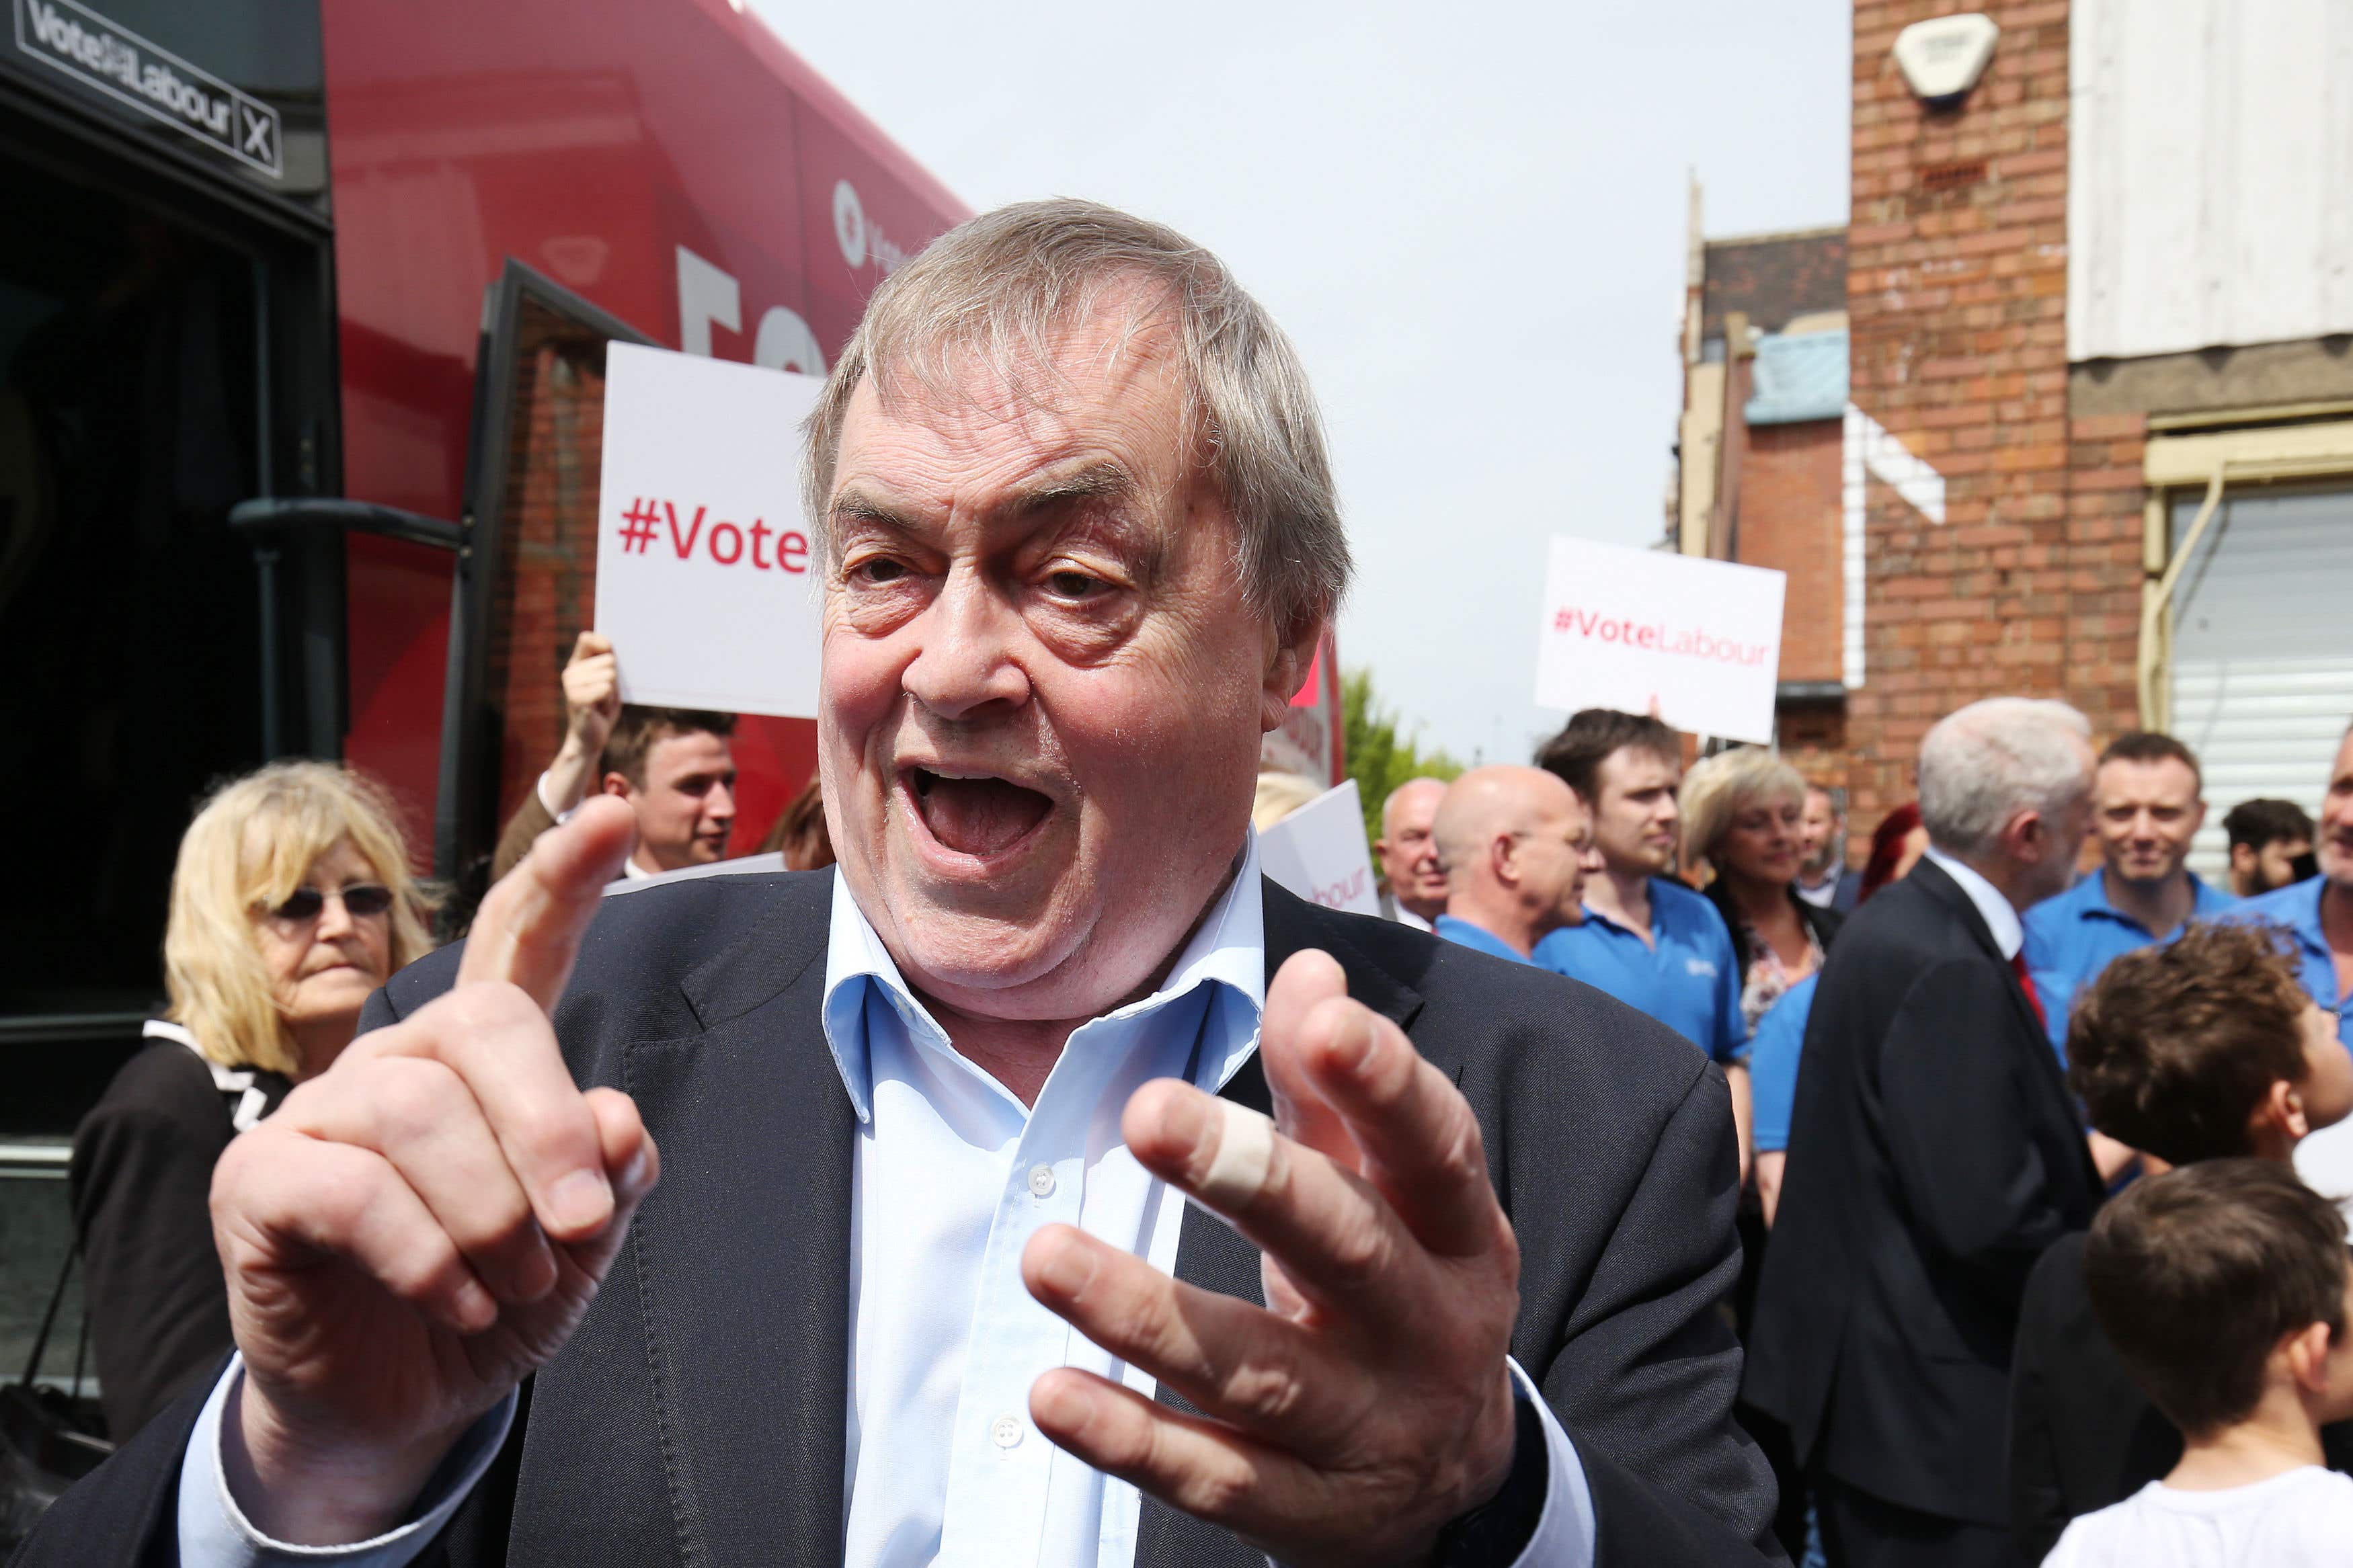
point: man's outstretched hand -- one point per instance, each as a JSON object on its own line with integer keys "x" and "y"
{"x": 1368, "y": 1403}
{"x": 423, "y": 1226}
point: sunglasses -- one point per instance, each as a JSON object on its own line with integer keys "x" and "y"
{"x": 363, "y": 901}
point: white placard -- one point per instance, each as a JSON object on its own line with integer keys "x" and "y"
{"x": 1630, "y": 628}
{"x": 704, "y": 565}
{"x": 1319, "y": 852}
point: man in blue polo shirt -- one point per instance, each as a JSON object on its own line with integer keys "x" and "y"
{"x": 2147, "y": 806}
{"x": 2316, "y": 915}
{"x": 1515, "y": 844}
{"x": 1646, "y": 939}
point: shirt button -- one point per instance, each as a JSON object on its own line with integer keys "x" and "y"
{"x": 1004, "y": 1431}
{"x": 1041, "y": 1181}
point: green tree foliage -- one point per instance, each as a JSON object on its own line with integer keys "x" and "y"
{"x": 1379, "y": 758}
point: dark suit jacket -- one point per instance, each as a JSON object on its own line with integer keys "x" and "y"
{"x": 1933, "y": 1153}
{"x": 698, "y": 1413}
{"x": 140, "y": 1180}
{"x": 2082, "y": 1433}
{"x": 1849, "y": 894}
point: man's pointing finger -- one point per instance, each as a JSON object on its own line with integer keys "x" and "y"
{"x": 528, "y": 930}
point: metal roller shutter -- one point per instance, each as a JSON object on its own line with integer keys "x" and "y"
{"x": 2262, "y": 650}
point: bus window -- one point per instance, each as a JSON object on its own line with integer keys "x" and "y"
{"x": 530, "y": 583}
{"x": 128, "y": 427}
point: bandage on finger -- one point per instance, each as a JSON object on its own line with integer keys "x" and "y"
{"x": 1238, "y": 1170}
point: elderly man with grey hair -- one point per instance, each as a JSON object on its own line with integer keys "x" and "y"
{"x": 1935, "y": 1152}
{"x": 1040, "y": 1186}
{"x": 1408, "y": 851}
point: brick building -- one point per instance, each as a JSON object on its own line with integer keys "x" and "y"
{"x": 2097, "y": 440}
{"x": 1761, "y": 445}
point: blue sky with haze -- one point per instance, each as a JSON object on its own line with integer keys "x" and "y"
{"x": 1470, "y": 218}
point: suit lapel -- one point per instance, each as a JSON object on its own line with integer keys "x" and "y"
{"x": 2033, "y": 1037}
{"x": 743, "y": 1255}
{"x": 1212, "y": 1254}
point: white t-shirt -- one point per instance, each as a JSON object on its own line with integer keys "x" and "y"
{"x": 2300, "y": 1520}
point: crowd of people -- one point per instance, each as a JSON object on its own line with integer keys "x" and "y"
{"x": 1041, "y": 1185}
{"x": 1948, "y": 1359}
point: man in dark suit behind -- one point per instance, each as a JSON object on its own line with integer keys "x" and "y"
{"x": 916, "y": 1274}
{"x": 1933, "y": 1153}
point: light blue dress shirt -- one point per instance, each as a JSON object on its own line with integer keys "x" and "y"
{"x": 2074, "y": 936}
{"x": 1687, "y": 977}
{"x": 954, "y": 1174}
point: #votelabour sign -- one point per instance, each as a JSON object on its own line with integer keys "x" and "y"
{"x": 1319, "y": 853}
{"x": 1632, "y": 628}
{"x": 114, "y": 60}
{"x": 704, "y": 566}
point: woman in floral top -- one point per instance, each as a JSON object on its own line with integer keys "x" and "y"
{"x": 1742, "y": 812}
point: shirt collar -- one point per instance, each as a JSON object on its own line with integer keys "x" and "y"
{"x": 2090, "y": 895}
{"x": 1594, "y": 917}
{"x": 1228, "y": 949}
{"x": 1471, "y": 934}
{"x": 2009, "y": 932}
{"x": 2300, "y": 903}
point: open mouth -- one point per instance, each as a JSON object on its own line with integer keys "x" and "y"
{"x": 981, "y": 816}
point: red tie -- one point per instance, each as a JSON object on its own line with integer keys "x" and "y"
{"x": 2034, "y": 997}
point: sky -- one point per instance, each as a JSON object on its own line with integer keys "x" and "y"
{"x": 1471, "y": 220}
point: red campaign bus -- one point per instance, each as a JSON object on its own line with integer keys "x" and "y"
{"x": 302, "y": 315}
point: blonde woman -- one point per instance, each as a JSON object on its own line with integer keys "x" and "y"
{"x": 292, "y": 900}
{"x": 1744, "y": 813}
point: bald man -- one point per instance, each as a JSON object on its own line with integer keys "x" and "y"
{"x": 1517, "y": 844}
{"x": 1408, "y": 853}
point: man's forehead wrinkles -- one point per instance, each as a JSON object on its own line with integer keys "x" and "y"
{"x": 854, "y": 503}
{"x": 921, "y": 489}
{"x": 1086, "y": 478}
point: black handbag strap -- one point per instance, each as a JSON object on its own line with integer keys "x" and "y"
{"x": 48, "y": 1320}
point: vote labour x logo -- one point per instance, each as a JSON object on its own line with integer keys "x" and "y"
{"x": 724, "y": 543}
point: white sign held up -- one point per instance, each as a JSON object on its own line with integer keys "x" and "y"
{"x": 1631, "y": 629}
{"x": 704, "y": 565}
{"x": 1319, "y": 853}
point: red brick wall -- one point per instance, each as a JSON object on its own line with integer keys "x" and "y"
{"x": 1956, "y": 301}
{"x": 554, "y": 453}
{"x": 1790, "y": 521}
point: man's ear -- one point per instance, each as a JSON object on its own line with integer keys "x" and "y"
{"x": 2243, "y": 857}
{"x": 2278, "y": 1122}
{"x": 2286, "y": 1102}
{"x": 1288, "y": 658}
{"x": 616, "y": 784}
{"x": 1501, "y": 857}
{"x": 2306, "y": 1350}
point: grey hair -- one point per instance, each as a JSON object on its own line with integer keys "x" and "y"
{"x": 1005, "y": 285}
{"x": 1721, "y": 787}
{"x": 1983, "y": 764}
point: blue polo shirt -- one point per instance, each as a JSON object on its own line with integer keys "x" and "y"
{"x": 1772, "y": 1058}
{"x": 1480, "y": 937}
{"x": 1690, "y": 982}
{"x": 2297, "y": 911}
{"x": 2072, "y": 937}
